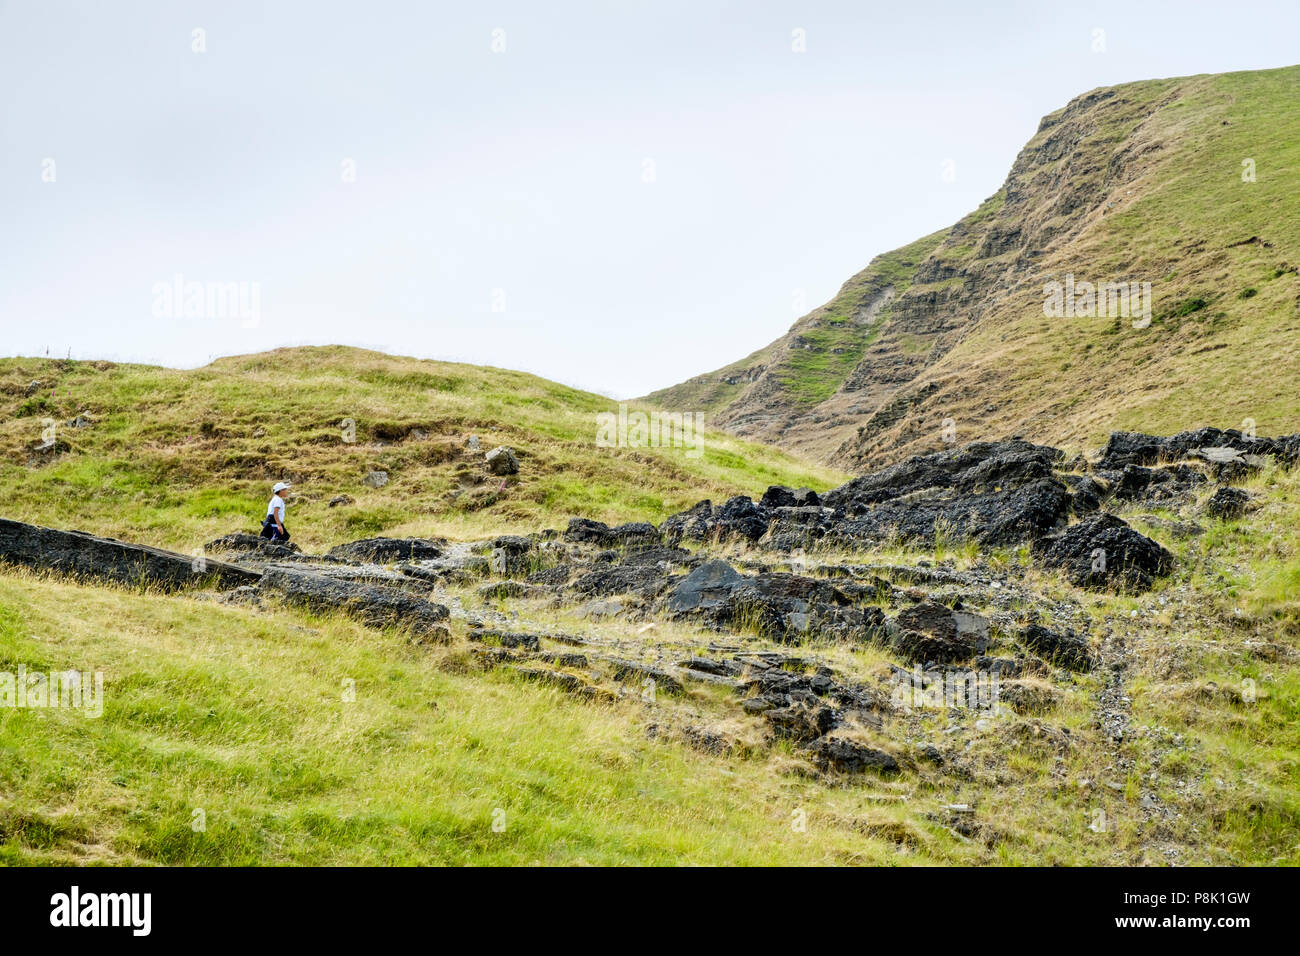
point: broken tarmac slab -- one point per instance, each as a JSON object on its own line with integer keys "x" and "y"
{"x": 79, "y": 554}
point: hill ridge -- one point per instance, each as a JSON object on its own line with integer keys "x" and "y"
{"x": 1143, "y": 181}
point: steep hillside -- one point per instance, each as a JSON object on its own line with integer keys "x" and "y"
{"x": 175, "y": 458}
{"x": 1188, "y": 184}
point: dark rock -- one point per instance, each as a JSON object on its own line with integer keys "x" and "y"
{"x": 801, "y": 721}
{"x": 1227, "y": 503}
{"x": 706, "y": 741}
{"x": 1086, "y": 494}
{"x": 513, "y": 543}
{"x": 83, "y": 555}
{"x": 635, "y": 533}
{"x": 510, "y": 554}
{"x": 659, "y": 679}
{"x": 777, "y": 605}
{"x": 373, "y": 605}
{"x": 1103, "y": 551}
{"x": 1064, "y": 647}
{"x": 694, "y": 524}
{"x": 570, "y": 683}
{"x": 929, "y": 632}
{"x": 342, "y": 500}
{"x": 551, "y": 577}
{"x": 1168, "y": 484}
{"x": 511, "y": 589}
{"x": 995, "y": 518}
{"x": 586, "y": 531}
{"x": 1007, "y": 464}
{"x": 705, "y": 589}
{"x": 708, "y": 665}
{"x": 242, "y": 542}
{"x": 931, "y": 753}
{"x": 742, "y": 518}
{"x": 502, "y": 461}
{"x": 644, "y": 580}
{"x": 528, "y": 642}
{"x": 1134, "y": 448}
{"x": 1001, "y": 666}
{"x": 389, "y": 549}
{"x": 849, "y": 756}
{"x": 779, "y": 496}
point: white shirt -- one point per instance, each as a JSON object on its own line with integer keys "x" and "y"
{"x": 276, "y": 503}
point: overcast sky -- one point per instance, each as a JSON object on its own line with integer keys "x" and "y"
{"x": 616, "y": 195}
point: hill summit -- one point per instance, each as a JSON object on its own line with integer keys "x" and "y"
{"x": 1137, "y": 270}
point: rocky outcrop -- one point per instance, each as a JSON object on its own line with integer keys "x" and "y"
{"x": 373, "y": 605}
{"x": 586, "y": 531}
{"x": 1135, "y": 448}
{"x": 1227, "y": 503}
{"x": 850, "y": 756}
{"x": 383, "y": 550}
{"x": 1104, "y": 552}
{"x": 1063, "y": 648}
{"x": 502, "y": 461}
{"x": 997, "y": 493}
{"x": 930, "y": 633}
{"x": 973, "y": 468}
{"x": 777, "y": 605}
{"x": 242, "y": 543}
{"x": 106, "y": 559}
{"x": 931, "y": 332}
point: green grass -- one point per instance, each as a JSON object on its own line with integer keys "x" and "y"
{"x": 242, "y": 717}
{"x": 1225, "y": 338}
{"x": 1140, "y": 182}
{"x": 241, "y": 714}
{"x": 176, "y": 458}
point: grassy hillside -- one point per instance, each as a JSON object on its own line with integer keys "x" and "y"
{"x": 813, "y": 359}
{"x": 1146, "y": 182}
{"x": 242, "y": 715}
{"x": 225, "y": 711}
{"x": 1172, "y": 209}
{"x": 176, "y": 458}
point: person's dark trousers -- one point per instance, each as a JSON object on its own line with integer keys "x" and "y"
{"x": 272, "y": 533}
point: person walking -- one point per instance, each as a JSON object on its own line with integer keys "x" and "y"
{"x": 273, "y": 526}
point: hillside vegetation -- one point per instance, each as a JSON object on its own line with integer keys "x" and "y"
{"x": 230, "y": 735}
{"x": 1189, "y": 184}
{"x": 176, "y": 458}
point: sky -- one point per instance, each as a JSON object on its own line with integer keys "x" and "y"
{"x": 614, "y": 195}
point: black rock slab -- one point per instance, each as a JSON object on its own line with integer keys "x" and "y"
{"x": 79, "y": 554}
{"x": 372, "y": 605}
{"x": 389, "y": 549}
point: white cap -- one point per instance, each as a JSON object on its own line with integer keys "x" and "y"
{"x": 281, "y": 486}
